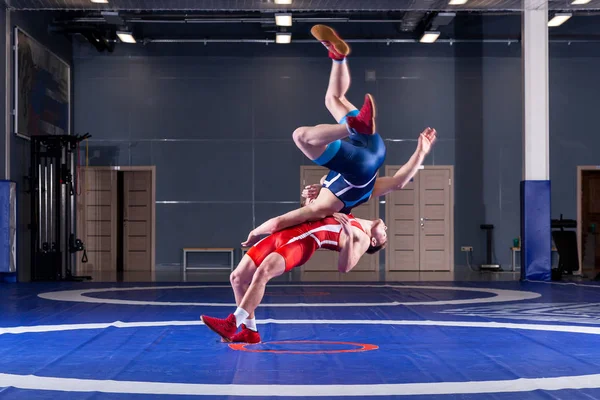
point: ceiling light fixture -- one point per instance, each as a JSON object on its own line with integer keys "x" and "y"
{"x": 559, "y": 19}
{"x": 283, "y": 38}
{"x": 429, "y": 37}
{"x": 283, "y": 19}
{"x": 126, "y": 37}
{"x": 283, "y": 1}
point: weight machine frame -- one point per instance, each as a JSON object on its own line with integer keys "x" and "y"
{"x": 52, "y": 196}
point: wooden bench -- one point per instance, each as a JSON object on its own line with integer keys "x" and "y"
{"x": 187, "y": 250}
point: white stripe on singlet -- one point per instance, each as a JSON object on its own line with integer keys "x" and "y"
{"x": 350, "y": 185}
{"x": 328, "y": 228}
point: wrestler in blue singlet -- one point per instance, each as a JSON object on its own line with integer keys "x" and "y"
{"x": 353, "y": 166}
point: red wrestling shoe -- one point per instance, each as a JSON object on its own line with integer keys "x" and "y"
{"x": 246, "y": 336}
{"x": 364, "y": 122}
{"x": 338, "y": 49}
{"x": 223, "y": 327}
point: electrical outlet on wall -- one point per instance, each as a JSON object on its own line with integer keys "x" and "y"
{"x": 466, "y": 248}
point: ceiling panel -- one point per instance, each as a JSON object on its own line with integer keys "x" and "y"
{"x": 298, "y": 5}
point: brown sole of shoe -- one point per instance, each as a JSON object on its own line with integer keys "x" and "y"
{"x": 374, "y": 112}
{"x": 324, "y": 33}
{"x": 222, "y": 337}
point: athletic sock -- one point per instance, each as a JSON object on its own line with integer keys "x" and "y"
{"x": 343, "y": 60}
{"x": 240, "y": 316}
{"x": 251, "y": 324}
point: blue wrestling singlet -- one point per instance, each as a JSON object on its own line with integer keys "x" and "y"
{"x": 353, "y": 165}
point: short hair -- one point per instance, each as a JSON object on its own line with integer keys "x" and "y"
{"x": 374, "y": 249}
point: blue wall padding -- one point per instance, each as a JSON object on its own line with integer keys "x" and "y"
{"x": 536, "y": 233}
{"x": 7, "y": 227}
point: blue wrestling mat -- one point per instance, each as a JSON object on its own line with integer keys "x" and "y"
{"x": 410, "y": 341}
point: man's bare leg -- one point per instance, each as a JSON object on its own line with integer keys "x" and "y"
{"x": 241, "y": 278}
{"x": 271, "y": 267}
{"x": 339, "y": 79}
{"x": 339, "y": 83}
{"x": 314, "y": 140}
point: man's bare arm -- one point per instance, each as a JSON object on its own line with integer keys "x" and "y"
{"x": 295, "y": 217}
{"x": 357, "y": 243}
{"x": 352, "y": 252}
{"x": 387, "y": 184}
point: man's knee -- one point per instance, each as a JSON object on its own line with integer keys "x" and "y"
{"x": 235, "y": 278}
{"x": 270, "y": 268}
{"x": 332, "y": 101}
{"x": 262, "y": 276}
{"x": 300, "y": 137}
{"x": 242, "y": 275}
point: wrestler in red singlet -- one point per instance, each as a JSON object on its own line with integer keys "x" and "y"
{"x": 297, "y": 244}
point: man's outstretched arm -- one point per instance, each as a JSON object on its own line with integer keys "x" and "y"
{"x": 387, "y": 184}
{"x": 307, "y": 213}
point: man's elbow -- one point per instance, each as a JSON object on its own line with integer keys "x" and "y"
{"x": 401, "y": 185}
{"x": 344, "y": 269}
{"x": 320, "y": 212}
{"x": 398, "y": 184}
{"x": 347, "y": 267}
{"x": 277, "y": 224}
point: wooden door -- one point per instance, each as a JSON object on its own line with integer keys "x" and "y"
{"x": 96, "y": 223}
{"x": 420, "y": 226}
{"x": 402, "y": 219}
{"x": 323, "y": 265}
{"x": 435, "y": 220}
{"x": 137, "y": 221}
{"x": 590, "y": 216}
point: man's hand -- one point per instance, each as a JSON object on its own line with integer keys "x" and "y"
{"x": 253, "y": 238}
{"x": 344, "y": 220}
{"x": 426, "y": 140}
{"x": 311, "y": 192}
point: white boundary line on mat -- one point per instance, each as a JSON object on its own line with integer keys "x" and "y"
{"x": 34, "y": 382}
{"x": 501, "y": 295}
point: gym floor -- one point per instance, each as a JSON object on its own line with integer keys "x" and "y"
{"x": 478, "y": 340}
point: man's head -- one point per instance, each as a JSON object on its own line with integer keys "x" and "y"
{"x": 378, "y": 236}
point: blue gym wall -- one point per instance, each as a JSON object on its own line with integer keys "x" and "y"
{"x": 218, "y": 127}
{"x": 36, "y": 25}
{"x": 574, "y": 138}
{"x": 216, "y": 120}
{"x": 2, "y": 92}
{"x": 574, "y": 88}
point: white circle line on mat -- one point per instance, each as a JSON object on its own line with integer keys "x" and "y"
{"x": 501, "y": 295}
{"x": 34, "y": 382}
